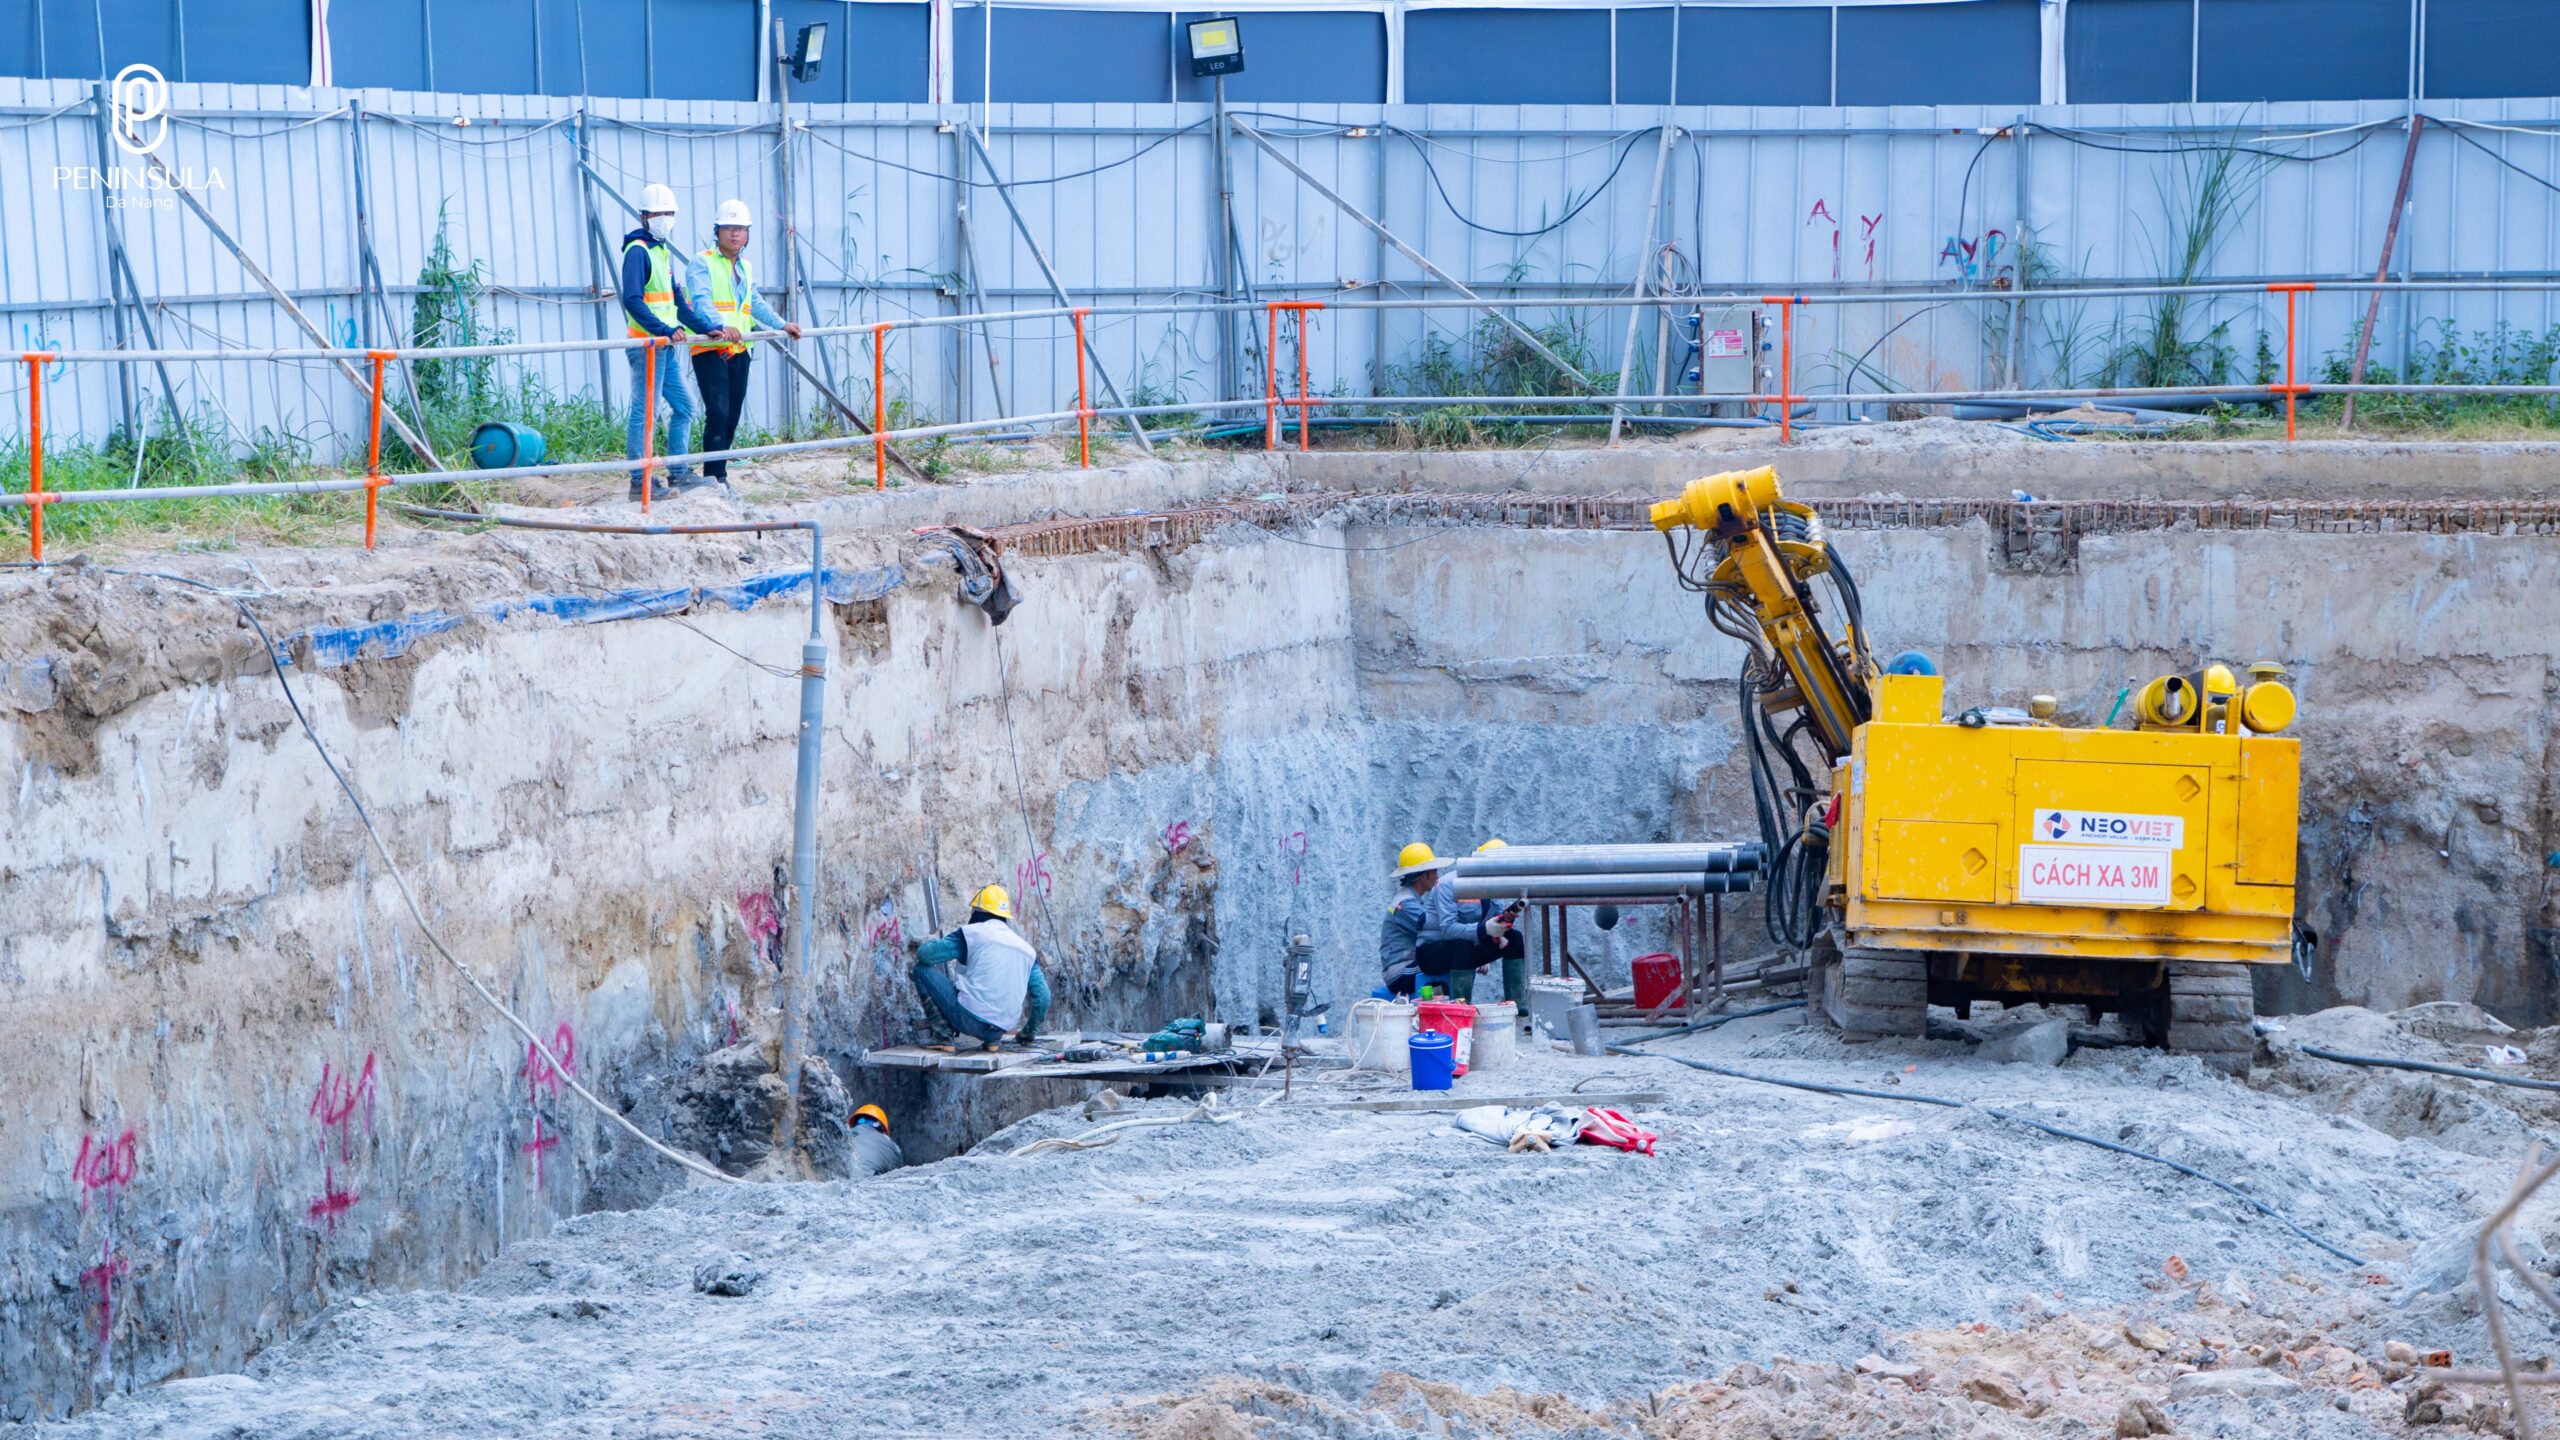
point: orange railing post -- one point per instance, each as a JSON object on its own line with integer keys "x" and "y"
{"x": 1271, "y": 381}
{"x": 1786, "y": 362}
{"x": 373, "y": 457}
{"x": 1302, "y": 307}
{"x": 36, "y": 360}
{"x": 880, "y": 405}
{"x": 1084, "y": 415}
{"x": 2292, "y": 392}
{"x": 648, "y": 417}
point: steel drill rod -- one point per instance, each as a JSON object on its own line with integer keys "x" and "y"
{"x": 1657, "y": 886}
{"x": 1610, "y": 860}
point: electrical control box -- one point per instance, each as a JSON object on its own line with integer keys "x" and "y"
{"x": 1724, "y": 351}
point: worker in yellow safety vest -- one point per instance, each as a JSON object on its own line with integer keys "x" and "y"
{"x": 720, "y": 367}
{"x": 655, "y": 303}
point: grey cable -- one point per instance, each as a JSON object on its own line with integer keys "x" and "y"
{"x": 2388, "y": 1062}
{"x": 1915, "y": 1098}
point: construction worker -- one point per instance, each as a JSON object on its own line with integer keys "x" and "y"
{"x": 1476, "y": 933}
{"x": 654, "y": 302}
{"x": 983, "y": 977}
{"x": 720, "y": 367}
{"x": 874, "y": 1153}
{"x": 1401, "y": 936}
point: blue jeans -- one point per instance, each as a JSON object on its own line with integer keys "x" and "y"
{"x": 933, "y": 982}
{"x": 680, "y": 412}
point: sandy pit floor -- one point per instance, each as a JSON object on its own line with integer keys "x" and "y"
{"x": 1787, "y": 1264}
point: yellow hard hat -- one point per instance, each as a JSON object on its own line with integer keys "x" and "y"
{"x": 1414, "y": 858}
{"x": 1490, "y": 846}
{"x": 994, "y": 901}
{"x": 876, "y": 1115}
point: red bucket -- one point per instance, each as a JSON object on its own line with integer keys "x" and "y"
{"x": 1453, "y": 1018}
{"x": 1657, "y": 979}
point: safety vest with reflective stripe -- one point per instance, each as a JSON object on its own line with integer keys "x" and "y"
{"x": 732, "y": 298}
{"x": 660, "y": 298}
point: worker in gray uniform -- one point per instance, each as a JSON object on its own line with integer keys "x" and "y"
{"x": 1400, "y": 935}
{"x": 874, "y": 1153}
{"x": 1465, "y": 936}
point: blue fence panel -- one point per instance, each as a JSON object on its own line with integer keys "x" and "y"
{"x": 558, "y": 30}
{"x": 1516, "y": 57}
{"x": 2492, "y": 47}
{"x": 698, "y": 49}
{"x": 383, "y": 44}
{"x": 67, "y": 38}
{"x": 1987, "y": 52}
{"x": 2130, "y": 52}
{"x": 2303, "y": 50}
{"x": 1064, "y": 56}
{"x": 617, "y": 46}
{"x": 143, "y": 32}
{"x": 482, "y": 47}
{"x": 1306, "y": 56}
{"x": 1778, "y": 55}
{"x": 243, "y": 42}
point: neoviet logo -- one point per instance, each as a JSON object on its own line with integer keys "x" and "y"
{"x": 138, "y": 122}
{"x": 2106, "y": 827}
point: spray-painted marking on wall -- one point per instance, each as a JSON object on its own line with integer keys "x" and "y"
{"x": 885, "y": 930}
{"x": 1293, "y": 853}
{"x": 103, "y": 1171}
{"x": 542, "y": 1143}
{"x": 1032, "y": 877}
{"x": 102, "y": 1277}
{"x": 1821, "y": 213}
{"x": 1177, "y": 837}
{"x": 335, "y": 1103}
{"x": 106, "y": 1166}
{"x": 1975, "y": 257}
{"x": 1871, "y": 222}
{"x": 759, "y": 912}
{"x": 540, "y": 1077}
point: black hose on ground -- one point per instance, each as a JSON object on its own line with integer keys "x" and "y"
{"x": 1944, "y": 1103}
{"x": 1712, "y": 1023}
{"x": 2387, "y": 1062}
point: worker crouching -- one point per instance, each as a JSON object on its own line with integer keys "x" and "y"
{"x": 874, "y": 1153}
{"x": 984, "y": 978}
{"x": 1463, "y": 937}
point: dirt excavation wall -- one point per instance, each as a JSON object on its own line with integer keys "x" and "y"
{"x": 235, "y": 1082}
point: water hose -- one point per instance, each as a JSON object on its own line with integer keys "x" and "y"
{"x": 2387, "y": 1062}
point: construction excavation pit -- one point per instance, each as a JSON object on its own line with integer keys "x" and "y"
{"x": 1890, "y": 934}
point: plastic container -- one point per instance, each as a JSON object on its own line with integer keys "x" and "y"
{"x": 501, "y": 445}
{"x": 1378, "y": 1031}
{"x": 1453, "y": 1018}
{"x": 1657, "y": 979}
{"x": 1435, "y": 1059}
{"x": 1551, "y": 998}
{"x": 1496, "y": 1031}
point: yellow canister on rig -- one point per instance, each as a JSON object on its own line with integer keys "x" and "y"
{"x": 2213, "y": 700}
{"x": 2267, "y": 706}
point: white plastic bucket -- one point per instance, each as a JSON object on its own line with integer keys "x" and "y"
{"x": 1379, "y": 1030}
{"x": 1497, "y": 1027}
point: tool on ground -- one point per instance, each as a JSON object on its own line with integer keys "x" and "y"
{"x": 1298, "y": 987}
{"x": 1186, "y": 1036}
{"x": 2005, "y": 856}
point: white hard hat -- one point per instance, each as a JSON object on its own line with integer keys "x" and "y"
{"x": 732, "y": 212}
{"x": 657, "y": 200}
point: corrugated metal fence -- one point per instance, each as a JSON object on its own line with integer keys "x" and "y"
{"x": 895, "y": 218}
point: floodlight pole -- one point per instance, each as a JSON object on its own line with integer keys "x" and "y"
{"x": 1229, "y": 363}
{"x": 1537, "y": 346}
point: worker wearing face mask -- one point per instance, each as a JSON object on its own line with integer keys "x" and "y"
{"x": 655, "y": 303}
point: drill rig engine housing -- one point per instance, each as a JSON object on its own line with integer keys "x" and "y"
{"x": 1999, "y": 855}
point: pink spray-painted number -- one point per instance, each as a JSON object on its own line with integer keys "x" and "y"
{"x": 1177, "y": 837}
{"x": 1293, "y": 852}
{"x": 762, "y": 917}
{"x": 1031, "y": 877}
{"x": 102, "y": 1277}
{"x": 540, "y": 1076}
{"x": 336, "y": 1101}
{"x": 885, "y": 930}
{"x": 105, "y": 1166}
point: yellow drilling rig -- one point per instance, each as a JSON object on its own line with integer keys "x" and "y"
{"x": 1917, "y": 859}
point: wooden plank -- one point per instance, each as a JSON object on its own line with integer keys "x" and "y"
{"x": 918, "y": 1057}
